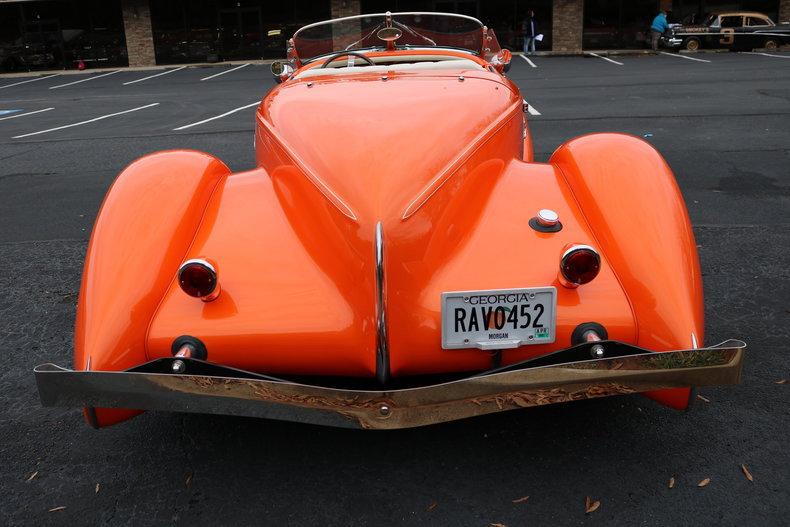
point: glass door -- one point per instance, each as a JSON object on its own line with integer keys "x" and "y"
{"x": 240, "y": 33}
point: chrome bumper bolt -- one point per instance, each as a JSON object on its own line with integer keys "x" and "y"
{"x": 179, "y": 366}
{"x": 597, "y": 351}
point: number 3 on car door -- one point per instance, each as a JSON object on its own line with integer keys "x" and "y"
{"x": 729, "y": 37}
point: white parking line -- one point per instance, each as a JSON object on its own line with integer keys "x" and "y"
{"x": 88, "y": 121}
{"x": 24, "y": 114}
{"x": 157, "y": 75}
{"x": 84, "y": 80}
{"x": 224, "y": 72}
{"x": 767, "y": 54}
{"x": 29, "y": 80}
{"x": 530, "y": 108}
{"x": 682, "y": 56}
{"x": 528, "y": 61}
{"x": 220, "y": 116}
{"x": 604, "y": 58}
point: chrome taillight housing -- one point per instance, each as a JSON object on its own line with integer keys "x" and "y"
{"x": 579, "y": 265}
{"x": 198, "y": 278}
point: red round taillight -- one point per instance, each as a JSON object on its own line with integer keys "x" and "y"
{"x": 198, "y": 278}
{"x": 580, "y": 264}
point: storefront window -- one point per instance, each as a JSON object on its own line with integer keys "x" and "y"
{"x": 617, "y": 23}
{"x": 213, "y": 30}
{"x": 64, "y": 34}
{"x": 506, "y": 17}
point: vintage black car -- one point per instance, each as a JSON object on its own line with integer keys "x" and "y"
{"x": 27, "y": 53}
{"x": 737, "y": 30}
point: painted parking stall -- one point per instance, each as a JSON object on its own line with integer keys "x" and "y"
{"x": 154, "y": 76}
{"x": 36, "y": 79}
{"x": 4, "y": 114}
{"x": 91, "y": 78}
{"x": 87, "y": 121}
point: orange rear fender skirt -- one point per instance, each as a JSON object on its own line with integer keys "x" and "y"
{"x": 143, "y": 230}
{"x": 297, "y": 278}
{"x": 632, "y": 202}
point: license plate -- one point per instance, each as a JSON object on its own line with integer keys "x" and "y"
{"x": 499, "y": 318}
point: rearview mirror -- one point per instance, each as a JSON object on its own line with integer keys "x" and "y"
{"x": 281, "y": 70}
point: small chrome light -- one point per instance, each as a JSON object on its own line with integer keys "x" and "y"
{"x": 579, "y": 265}
{"x": 198, "y": 278}
{"x": 548, "y": 218}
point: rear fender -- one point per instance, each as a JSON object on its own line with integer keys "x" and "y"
{"x": 143, "y": 230}
{"x": 630, "y": 198}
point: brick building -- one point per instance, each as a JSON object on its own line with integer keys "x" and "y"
{"x": 68, "y": 33}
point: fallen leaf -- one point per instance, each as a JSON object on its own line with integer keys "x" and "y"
{"x": 432, "y": 506}
{"x": 498, "y": 525}
{"x": 704, "y": 482}
{"x": 521, "y": 500}
{"x": 747, "y": 473}
{"x": 671, "y": 483}
{"x": 781, "y": 381}
{"x": 56, "y": 509}
{"x": 188, "y": 480}
{"x": 591, "y": 505}
{"x": 33, "y": 475}
{"x": 701, "y": 398}
{"x": 97, "y": 488}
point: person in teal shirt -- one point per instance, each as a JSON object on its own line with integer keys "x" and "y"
{"x": 657, "y": 28}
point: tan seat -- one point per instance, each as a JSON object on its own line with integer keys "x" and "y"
{"x": 454, "y": 64}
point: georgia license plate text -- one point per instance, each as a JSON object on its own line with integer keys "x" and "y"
{"x": 498, "y": 319}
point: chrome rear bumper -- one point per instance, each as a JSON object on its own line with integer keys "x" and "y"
{"x": 566, "y": 375}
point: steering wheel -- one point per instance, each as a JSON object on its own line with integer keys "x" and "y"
{"x": 336, "y": 56}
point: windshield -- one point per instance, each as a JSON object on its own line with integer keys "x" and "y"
{"x": 418, "y": 30}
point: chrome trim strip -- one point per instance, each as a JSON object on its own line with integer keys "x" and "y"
{"x": 509, "y": 388}
{"x": 382, "y": 346}
{"x": 451, "y": 168}
{"x": 201, "y": 261}
{"x": 578, "y": 247}
{"x": 309, "y": 173}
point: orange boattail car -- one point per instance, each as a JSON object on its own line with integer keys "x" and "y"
{"x": 395, "y": 259}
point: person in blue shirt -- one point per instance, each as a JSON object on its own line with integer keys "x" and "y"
{"x": 657, "y": 28}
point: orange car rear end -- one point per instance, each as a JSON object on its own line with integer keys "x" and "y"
{"x": 396, "y": 259}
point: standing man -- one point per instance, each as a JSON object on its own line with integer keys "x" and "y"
{"x": 530, "y": 32}
{"x": 657, "y": 28}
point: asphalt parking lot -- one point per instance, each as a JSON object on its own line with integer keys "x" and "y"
{"x": 721, "y": 120}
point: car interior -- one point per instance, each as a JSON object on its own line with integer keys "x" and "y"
{"x": 345, "y": 65}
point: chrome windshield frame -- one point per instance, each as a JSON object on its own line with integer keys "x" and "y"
{"x": 307, "y": 60}
{"x": 383, "y": 15}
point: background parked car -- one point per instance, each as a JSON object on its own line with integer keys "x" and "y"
{"x": 26, "y": 53}
{"x": 736, "y": 30}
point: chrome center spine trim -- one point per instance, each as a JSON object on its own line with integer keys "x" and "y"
{"x": 382, "y": 348}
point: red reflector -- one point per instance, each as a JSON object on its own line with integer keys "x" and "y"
{"x": 197, "y": 278}
{"x": 580, "y": 264}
